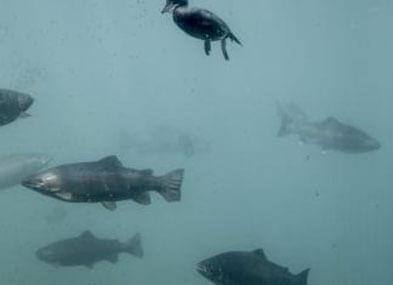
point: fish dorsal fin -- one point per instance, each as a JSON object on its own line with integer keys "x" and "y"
{"x": 111, "y": 161}
{"x": 143, "y": 198}
{"x": 109, "y": 205}
{"x": 86, "y": 235}
{"x": 260, "y": 253}
{"x": 331, "y": 121}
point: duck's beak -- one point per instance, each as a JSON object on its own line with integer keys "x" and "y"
{"x": 168, "y": 7}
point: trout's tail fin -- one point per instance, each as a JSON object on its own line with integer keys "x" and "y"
{"x": 171, "y": 184}
{"x": 301, "y": 278}
{"x": 291, "y": 117}
{"x": 134, "y": 245}
{"x": 284, "y": 128}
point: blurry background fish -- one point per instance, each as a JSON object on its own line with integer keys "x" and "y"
{"x": 163, "y": 140}
{"x": 14, "y": 168}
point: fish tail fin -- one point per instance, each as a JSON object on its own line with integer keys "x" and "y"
{"x": 134, "y": 245}
{"x": 233, "y": 38}
{"x": 301, "y": 278}
{"x": 170, "y": 185}
{"x": 285, "y": 123}
{"x": 291, "y": 117}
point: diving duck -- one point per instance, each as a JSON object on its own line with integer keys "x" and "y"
{"x": 201, "y": 24}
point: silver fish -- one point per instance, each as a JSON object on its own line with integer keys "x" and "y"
{"x": 329, "y": 134}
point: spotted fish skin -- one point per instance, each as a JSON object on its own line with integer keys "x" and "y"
{"x": 105, "y": 181}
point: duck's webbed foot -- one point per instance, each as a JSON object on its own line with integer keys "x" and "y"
{"x": 208, "y": 47}
{"x": 224, "y": 49}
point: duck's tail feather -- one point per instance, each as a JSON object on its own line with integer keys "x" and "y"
{"x": 233, "y": 38}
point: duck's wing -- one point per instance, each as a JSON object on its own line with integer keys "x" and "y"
{"x": 205, "y": 18}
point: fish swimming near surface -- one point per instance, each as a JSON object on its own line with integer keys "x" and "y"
{"x": 86, "y": 250}
{"x": 105, "y": 181}
{"x": 201, "y": 24}
{"x": 248, "y": 268}
{"x": 13, "y": 105}
{"x": 163, "y": 140}
{"x": 329, "y": 134}
{"x": 16, "y": 167}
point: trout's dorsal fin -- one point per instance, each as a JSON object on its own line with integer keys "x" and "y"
{"x": 86, "y": 235}
{"x": 111, "y": 161}
{"x": 260, "y": 253}
{"x": 331, "y": 121}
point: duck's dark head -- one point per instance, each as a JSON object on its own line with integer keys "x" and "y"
{"x": 173, "y": 4}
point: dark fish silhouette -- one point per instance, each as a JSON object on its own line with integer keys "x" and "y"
{"x": 13, "y": 105}
{"x": 105, "y": 181}
{"x": 330, "y": 134}
{"x": 16, "y": 167}
{"x": 86, "y": 250}
{"x": 201, "y": 24}
{"x": 248, "y": 268}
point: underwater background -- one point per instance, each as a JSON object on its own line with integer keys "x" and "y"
{"x": 100, "y": 68}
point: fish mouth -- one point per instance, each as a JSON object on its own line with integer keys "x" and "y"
{"x": 45, "y": 255}
{"x": 25, "y": 102}
{"x": 38, "y": 254}
{"x": 201, "y": 268}
{"x": 33, "y": 183}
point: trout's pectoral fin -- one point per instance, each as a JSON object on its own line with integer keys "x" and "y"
{"x": 66, "y": 196}
{"x": 143, "y": 198}
{"x": 111, "y": 206}
{"x": 113, "y": 258}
